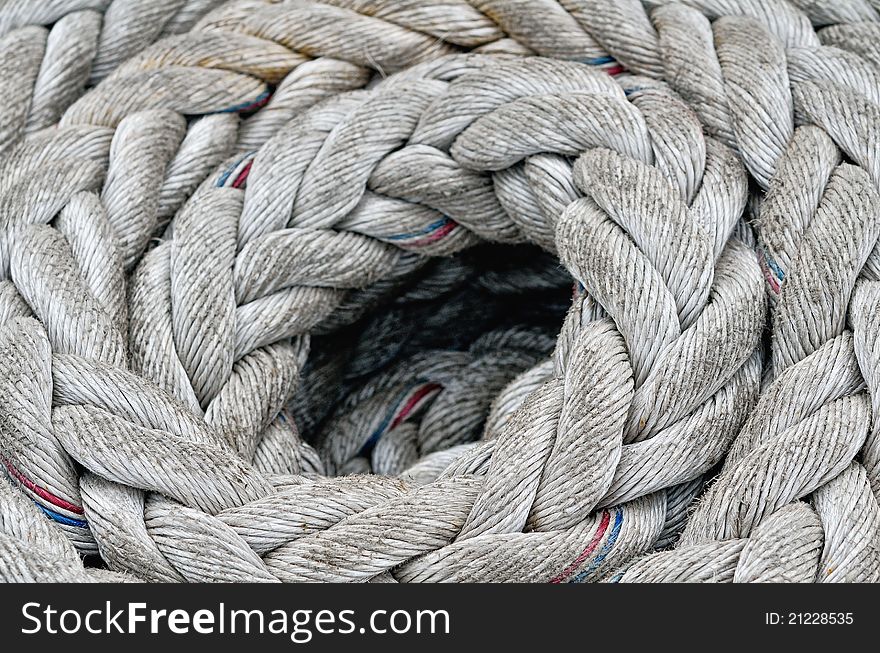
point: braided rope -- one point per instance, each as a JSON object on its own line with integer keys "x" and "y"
{"x": 162, "y": 280}
{"x": 817, "y": 229}
{"x": 50, "y": 51}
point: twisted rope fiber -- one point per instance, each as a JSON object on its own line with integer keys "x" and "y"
{"x": 810, "y": 421}
{"x": 165, "y": 374}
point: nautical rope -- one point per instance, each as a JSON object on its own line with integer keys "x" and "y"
{"x": 817, "y": 217}
{"x": 243, "y": 183}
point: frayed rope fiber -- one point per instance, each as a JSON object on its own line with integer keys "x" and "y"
{"x": 440, "y": 290}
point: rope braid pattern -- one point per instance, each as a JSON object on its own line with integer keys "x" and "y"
{"x": 50, "y": 51}
{"x": 169, "y": 386}
{"x": 817, "y": 228}
{"x": 196, "y": 383}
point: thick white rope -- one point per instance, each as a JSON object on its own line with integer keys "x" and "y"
{"x": 164, "y": 369}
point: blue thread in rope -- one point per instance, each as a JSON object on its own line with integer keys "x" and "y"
{"x": 61, "y": 518}
{"x": 431, "y": 227}
{"x": 605, "y": 550}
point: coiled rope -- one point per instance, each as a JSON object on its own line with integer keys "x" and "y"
{"x": 196, "y": 197}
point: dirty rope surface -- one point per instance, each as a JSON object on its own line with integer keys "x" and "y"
{"x": 286, "y": 290}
